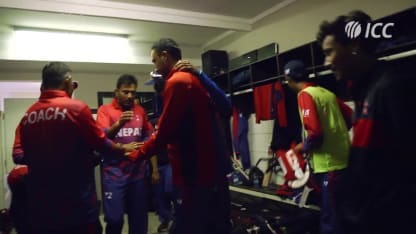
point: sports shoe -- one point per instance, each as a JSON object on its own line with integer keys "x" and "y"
{"x": 163, "y": 227}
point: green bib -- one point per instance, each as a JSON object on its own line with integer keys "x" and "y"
{"x": 333, "y": 153}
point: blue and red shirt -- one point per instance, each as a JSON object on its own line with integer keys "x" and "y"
{"x": 116, "y": 167}
{"x": 190, "y": 127}
{"x": 380, "y": 178}
{"x": 55, "y": 138}
{"x": 383, "y": 100}
{"x": 269, "y": 103}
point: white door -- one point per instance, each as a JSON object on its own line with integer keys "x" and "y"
{"x": 14, "y": 109}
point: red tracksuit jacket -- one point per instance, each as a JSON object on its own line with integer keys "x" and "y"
{"x": 55, "y": 139}
{"x": 190, "y": 126}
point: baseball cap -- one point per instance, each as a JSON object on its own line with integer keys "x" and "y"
{"x": 295, "y": 69}
{"x": 154, "y": 76}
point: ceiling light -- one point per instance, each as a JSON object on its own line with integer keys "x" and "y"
{"x": 31, "y": 44}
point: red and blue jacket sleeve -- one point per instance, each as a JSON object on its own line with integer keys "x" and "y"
{"x": 311, "y": 123}
{"x": 103, "y": 119}
{"x": 92, "y": 134}
{"x": 217, "y": 95}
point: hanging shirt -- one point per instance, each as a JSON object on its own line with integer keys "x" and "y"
{"x": 240, "y": 140}
{"x": 269, "y": 103}
{"x": 284, "y": 136}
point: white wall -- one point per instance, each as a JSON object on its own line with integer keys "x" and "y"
{"x": 298, "y": 23}
{"x": 259, "y": 138}
{"x": 90, "y": 82}
{"x": 18, "y": 89}
{"x": 14, "y": 110}
{"x": 3, "y": 172}
{"x": 290, "y": 27}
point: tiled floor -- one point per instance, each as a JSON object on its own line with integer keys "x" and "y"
{"x": 153, "y": 223}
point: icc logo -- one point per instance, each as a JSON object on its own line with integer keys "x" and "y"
{"x": 353, "y": 30}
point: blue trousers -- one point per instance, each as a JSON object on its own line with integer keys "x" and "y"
{"x": 120, "y": 198}
{"x": 163, "y": 193}
{"x": 329, "y": 182}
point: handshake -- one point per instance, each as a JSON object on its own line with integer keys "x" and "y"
{"x": 130, "y": 150}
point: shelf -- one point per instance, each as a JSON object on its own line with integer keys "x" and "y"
{"x": 321, "y": 73}
{"x": 243, "y": 91}
{"x": 267, "y": 80}
{"x": 403, "y": 33}
{"x": 255, "y": 56}
{"x": 264, "y": 69}
{"x": 222, "y": 81}
{"x": 244, "y": 86}
{"x": 220, "y": 76}
{"x": 404, "y": 54}
{"x": 270, "y": 197}
{"x": 264, "y": 59}
{"x": 243, "y": 100}
{"x": 317, "y": 54}
{"x": 253, "y": 70}
{"x": 303, "y": 53}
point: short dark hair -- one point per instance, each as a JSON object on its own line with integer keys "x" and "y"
{"x": 337, "y": 29}
{"x": 53, "y": 74}
{"x": 168, "y": 45}
{"x": 126, "y": 79}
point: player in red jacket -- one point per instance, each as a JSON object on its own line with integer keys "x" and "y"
{"x": 190, "y": 127}
{"x": 55, "y": 139}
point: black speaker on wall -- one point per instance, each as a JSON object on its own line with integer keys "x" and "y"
{"x": 215, "y": 62}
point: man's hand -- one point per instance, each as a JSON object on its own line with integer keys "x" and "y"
{"x": 128, "y": 148}
{"x": 133, "y": 154}
{"x": 298, "y": 148}
{"x": 155, "y": 177}
{"x": 185, "y": 65}
{"x": 126, "y": 116}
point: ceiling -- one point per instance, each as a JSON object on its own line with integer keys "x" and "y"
{"x": 190, "y": 22}
{"x": 194, "y": 24}
{"x": 238, "y": 8}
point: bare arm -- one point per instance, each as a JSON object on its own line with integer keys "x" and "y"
{"x": 113, "y": 130}
{"x": 155, "y": 170}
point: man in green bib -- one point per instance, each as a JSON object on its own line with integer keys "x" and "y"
{"x": 325, "y": 121}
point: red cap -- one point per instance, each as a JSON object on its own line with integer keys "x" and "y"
{"x": 16, "y": 175}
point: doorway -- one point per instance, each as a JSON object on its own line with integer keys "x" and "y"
{"x": 15, "y": 98}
